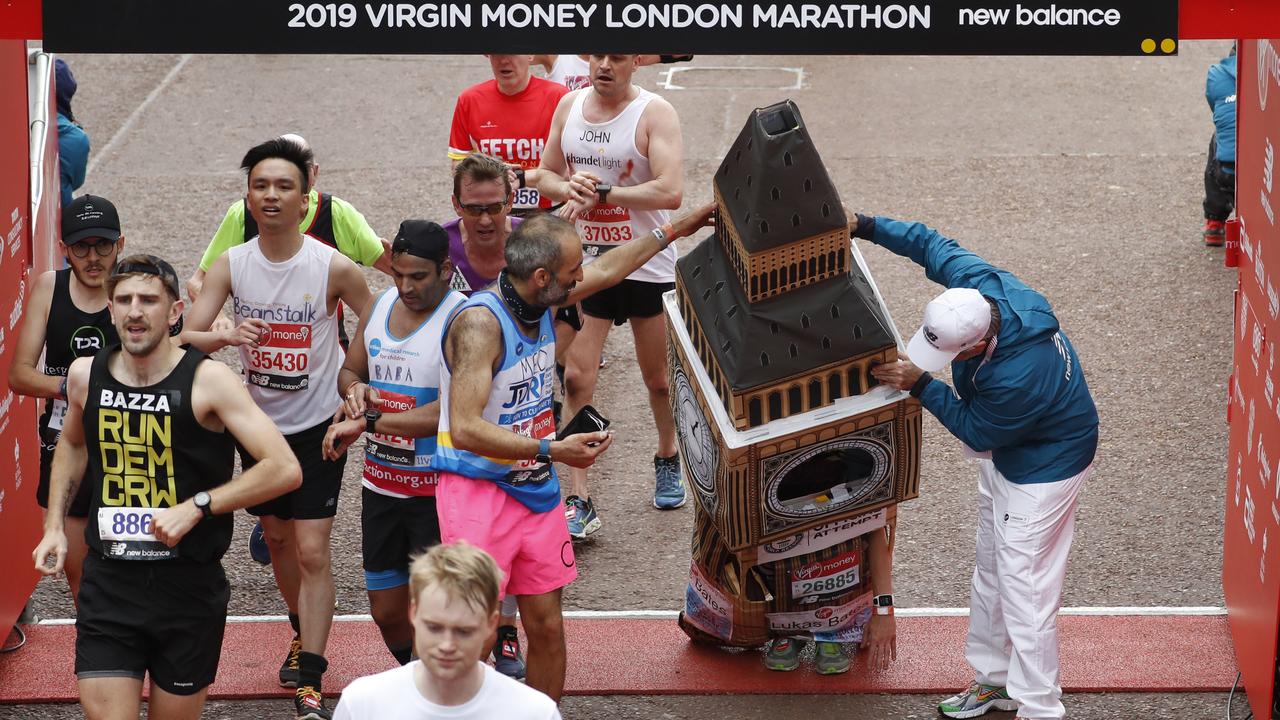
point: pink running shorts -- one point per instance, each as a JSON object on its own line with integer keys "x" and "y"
{"x": 533, "y": 550}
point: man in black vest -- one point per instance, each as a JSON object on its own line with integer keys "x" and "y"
{"x": 149, "y": 426}
{"x": 66, "y": 317}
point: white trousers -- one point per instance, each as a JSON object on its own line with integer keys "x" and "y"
{"x": 1024, "y": 533}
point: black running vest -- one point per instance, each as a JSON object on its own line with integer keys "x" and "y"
{"x": 148, "y": 452}
{"x": 69, "y": 333}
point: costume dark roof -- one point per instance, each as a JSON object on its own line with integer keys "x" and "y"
{"x": 776, "y": 191}
{"x": 789, "y": 334}
{"x": 775, "y": 185}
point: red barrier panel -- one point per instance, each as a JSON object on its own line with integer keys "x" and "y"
{"x": 19, "y": 469}
{"x": 1250, "y": 571}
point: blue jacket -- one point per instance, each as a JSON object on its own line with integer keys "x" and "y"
{"x": 1028, "y": 404}
{"x": 1220, "y": 92}
{"x": 73, "y": 156}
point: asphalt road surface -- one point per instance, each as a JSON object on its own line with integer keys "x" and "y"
{"x": 1081, "y": 175}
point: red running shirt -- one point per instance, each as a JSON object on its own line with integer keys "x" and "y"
{"x": 513, "y": 128}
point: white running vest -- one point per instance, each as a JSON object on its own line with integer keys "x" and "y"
{"x": 406, "y": 373}
{"x": 293, "y": 375}
{"x": 609, "y": 151}
{"x": 570, "y": 71}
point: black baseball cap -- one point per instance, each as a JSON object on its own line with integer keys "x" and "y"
{"x": 422, "y": 238}
{"x": 88, "y": 217}
{"x": 150, "y": 265}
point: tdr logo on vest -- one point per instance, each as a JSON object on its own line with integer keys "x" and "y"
{"x": 87, "y": 340}
{"x": 375, "y": 347}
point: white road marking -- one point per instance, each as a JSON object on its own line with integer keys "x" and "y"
{"x": 137, "y": 113}
{"x": 672, "y": 614}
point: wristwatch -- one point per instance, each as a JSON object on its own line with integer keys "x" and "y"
{"x": 602, "y": 190}
{"x": 544, "y": 451}
{"x": 520, "y": 176}
{"x": 371, "y": 415}
{"x": 202, "y": 500}
{"x": 883, "y": 604}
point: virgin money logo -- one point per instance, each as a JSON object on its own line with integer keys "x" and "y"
{"x": 290, "y": 335}
{"x": 825, "y": 567}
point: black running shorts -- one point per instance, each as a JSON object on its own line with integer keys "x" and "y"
{"x": 80, "y": 503}
{"x": 162, "y": 617}
{"x": 392, "y": 529}
{"x": 317, "y": 498}
{"x": 628, "y": 299}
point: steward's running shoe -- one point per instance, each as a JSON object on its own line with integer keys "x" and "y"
{"x": 308, "y": 704}
{"x": 977, "y": 700}
{"x": 829, "y": 659}
{"x": 668, "y": 489}
{"x": 258, "y": 549}
{"x": 506, "y": 654}
{"x": 289, "y": 668}
{"x": 784, "y": 654}
{"x": 581, "y": 517}
{"x": 1215, "y": 233}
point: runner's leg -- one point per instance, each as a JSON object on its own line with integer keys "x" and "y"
{"x": 166, "y": 706}
{"x": 110, "y": 698}
{"x": 315, "y": 589}
{"x": 546, "y": 654}
{"x": 651, "y": 354}
{"x": 280, "y": 536}
{"x": 582, "y": 369}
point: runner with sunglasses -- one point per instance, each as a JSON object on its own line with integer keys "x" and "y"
{"x": 66, "y": 318}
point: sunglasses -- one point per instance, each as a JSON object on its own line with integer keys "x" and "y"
{"x": 102, "y": 247}
{"x": 478, "y": 210}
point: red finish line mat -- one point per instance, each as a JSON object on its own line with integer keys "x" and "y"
{"x": 1100, "y": 653}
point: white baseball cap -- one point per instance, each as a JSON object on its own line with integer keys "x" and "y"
{"x": 954, "y": 321}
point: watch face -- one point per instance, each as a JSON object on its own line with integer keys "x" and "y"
{"x": 698, "y": 442}
{"x": 201, "y": 499}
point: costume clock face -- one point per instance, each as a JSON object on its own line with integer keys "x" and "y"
{"x": 697, "y": 441}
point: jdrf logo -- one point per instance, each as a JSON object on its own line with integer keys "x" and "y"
{"x": 523, "y": 391}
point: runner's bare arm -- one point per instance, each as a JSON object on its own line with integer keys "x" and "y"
{"x": 347, "y": 284}
{"x": 616, "y": 265}
{"x": 353, "y": 376}
{"x": 70, "y": 459}
{"x": 219, "y": 399}
{"x": 882, "y": 633}
{"x": 195, "y": 284}
{"x": 383, "y": 264}
{"x": 659, "y": 126}
{"x": 217, "y": 288}
{"x": 553, "y": 172}
{"x": 25, "y": 378}
{"x": 472, "y": 349}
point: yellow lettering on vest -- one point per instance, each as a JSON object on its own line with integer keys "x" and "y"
{"x": 158, "y": 429}
{"x": 109, "y": 422}
{"x": 113, "y": 490}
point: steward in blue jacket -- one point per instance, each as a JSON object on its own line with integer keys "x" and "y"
{"x": 1021, "y": 404}
{"x": 1027, "y": 403}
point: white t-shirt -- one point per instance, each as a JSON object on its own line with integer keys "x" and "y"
{"x": 392, "y": 695}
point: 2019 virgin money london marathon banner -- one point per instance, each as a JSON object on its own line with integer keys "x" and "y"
{"x": 757, "y": 27}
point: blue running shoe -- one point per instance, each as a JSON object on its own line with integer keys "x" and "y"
{"x": 258, "y": 549}
{"x": 506, "y": 653}
{"x": 581, "y": 517}
{"x": 668, "y": 491}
